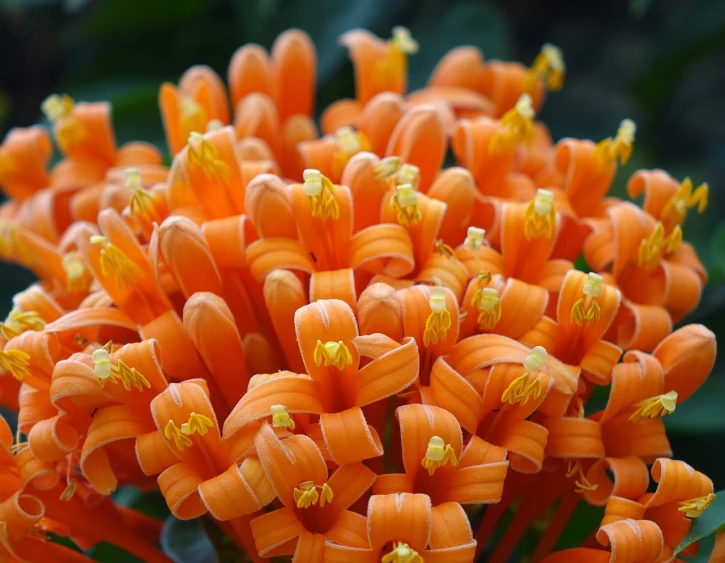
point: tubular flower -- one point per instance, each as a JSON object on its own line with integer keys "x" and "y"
{"x": 237, "y": 330}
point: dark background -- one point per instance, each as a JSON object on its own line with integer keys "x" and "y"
{"x": 660, "y": 62}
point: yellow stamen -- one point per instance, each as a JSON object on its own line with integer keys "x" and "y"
{"x": 113, "y": 259}
{"x": 106, "y": 371}
{"x": 693, "y": 508}
{"x": 306, "y": 495}
{"x": 197, "y": 424}
{"x": 405, "y": 202}
{"x": 349, "y": 142}
{"x": 653, "y": 248}
{"x": 15, "y": 362}
{"x": 516, "y": 126}
{"x": 206, "y": 158}
{"x": 675, "y": 210}
{"x": 609, "y": 150}
{"x": 488, "y": 303}
{"x": 78, "y": 278}
{"x": 69, "y": 491}
{"x": 388, "y": 167}
{"x": 549, "y": 67}
{"x": 540, "y": 216}
{"x": 474, "y": 242}
{"x": 403, "y": 40}
{"x": 445, "y": 249}
{"x": 19, "y": 322}
{"x": 332, "y": 354}
{"x": 438, "y": 454}
{"x": 321, "y": 193}
{"x": 142, "y": 202}
{"x": 407, "y": 174}
{"x": 402, "y": 553}
{"x": 102, "y": 366}
{"x": 587, "y": 309}
{"x": 521, "y": 389}
{"x": 391, "y": 69}
{"x": 60, "y": 111}
{"x": 659, "y": 405}
{"x": 582, "y": 484}
{"x": 439, "y": 320}
{"x": 131, "y": 377}
{"x": 173, "y": 433}
{"x": 192, "y": 116}
{"x": 281, "y": 418}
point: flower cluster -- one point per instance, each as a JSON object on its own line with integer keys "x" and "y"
{"x": 333, "y": 346}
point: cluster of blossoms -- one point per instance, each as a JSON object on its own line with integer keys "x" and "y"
{"x": 331, "y": 345}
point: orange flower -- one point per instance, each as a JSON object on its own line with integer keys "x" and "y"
{"x": 338, "y": 387}
{"x": 406, "y": 528}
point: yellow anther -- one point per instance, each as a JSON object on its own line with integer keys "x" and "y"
{"x": 106, "y": 371}
{"x": 321, "y": 193}
{"x": 484, "y": 278}
{"x": 405, "y": 202}
{"x": 69, "y": 491}
{"x": 445, "y": 249}
{"x": 113, "y": 259}
{"x": 192, "y": 116}
{"x": 549, "y": 67}
{"x": 439, "y": 320}
{"x": 657, "y": 406}
{"x": 281, "y": 418}
{"x": 403, "y": 40}
{"x": 653, "y": 248}
{"x": 586, "y": 309}
{"x": 521, "y": 389}
{"x": 197, "y": 424}
{"x": 540, "y": 215}
{"x": 609, "y": 150}
{"x": 56, "y": 107}
{"x": 582, "y": 484}
{"x": 438, "y": 454}
{"x": 572, "y": 469}
{"x": 60, "y": 111}
{"x": 131, "y": 377}
{"x": 516, "y": 126}
{"x": 306, "y": 495}
{"x": 675, "y": 210}
{"x": 402, "y": 553}
{"x": 388, "y": 167}
{"x": 214, "y": 125}
{"x": 142, "y": 202}
{"x": 173, "y": 433}
{"x": 693, "y": 508}
{"x": 15, "y": 362}
{"x": 202, "y": 154}
{"x": 407, "y": 174}
{"x": 78, "y": 278}
{"x": 349, "y": 142}
{"x": 19, "y": 322}
{"x": 488, "y": 303}
{"x": 332, "y": 354}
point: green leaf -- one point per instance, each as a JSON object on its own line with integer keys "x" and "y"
{"x": 701, "y": 413}
{"x": 186, "y": 541}
{"x": 709, "y": 522}
{"x": 718, "y": 247}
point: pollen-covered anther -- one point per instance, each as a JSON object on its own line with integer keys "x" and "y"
{"x": 405, "y": 202}
{"x": 174, "y": 434}
{"x": 332, "y": 354}
{"x": 202, "y": 154}
{"x": 654, "y": 407}
{"x": 19, "y": 322}
{"x": 540, "y": 215}
{"x": 15, "y": 362}
{"x": 102, "y": 366}
{"x": 488, "y": 303}
{"x": 516, "y": 126}
{"x": 619, "y": 148}
{"x": 694, "y": 508}
{"x": 438, "y": 454}
{"x": 675, "y": 210}
{"x": 403, "y": 40}
{"x": 407, "y": 174}
{"x": 349, "y": 143}
{"x": 473, "y": 243}
{"x": 106, "y": 371}
{"x": 197, "y": 424}
{"x": 402, "y": 553}
{"x": 281, "y": 418}
{"x": 586, "y": 309}
{"x": 306, "y": 495}
{"x": 388, "y": 167}
{"x": 321, "y": 194}
{"x": 439, "y": 320}
{"x": 142, "y": 202}
{"x": 549, "y": 66}
{"x": 653, "y": 248}
{"x": 114, "y": 260}
{"x": 524, "y": 387}
{"x": 59, "y": 111}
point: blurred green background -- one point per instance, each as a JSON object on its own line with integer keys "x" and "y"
{"x": 660, "y": 62}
